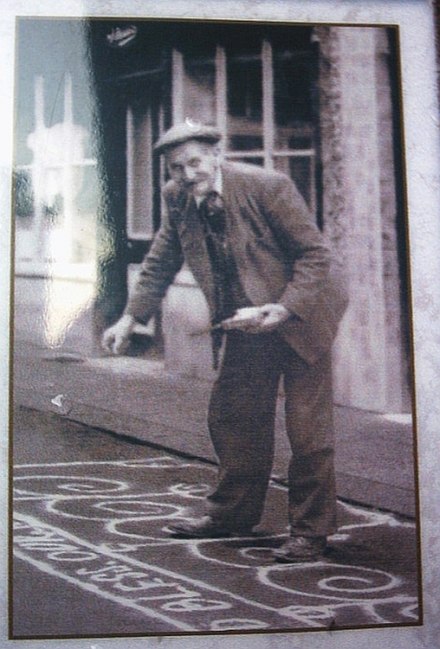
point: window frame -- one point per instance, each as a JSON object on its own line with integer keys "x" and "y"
{"x": 269, "y": 154}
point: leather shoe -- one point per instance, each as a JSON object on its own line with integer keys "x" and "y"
{"x": 204, "y": 528}
{"x": 301, "y": 548}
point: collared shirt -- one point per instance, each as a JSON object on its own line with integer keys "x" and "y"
{"x": 229, "y": 291}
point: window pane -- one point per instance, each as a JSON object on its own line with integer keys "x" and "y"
{"x": 87, "y": 196}
{"x": 85, "y": 207}
{"x": 52, "y": 195}
{"x": 199, "y": 83}
{"x": 300, "y": 170}
{"x": 244, "y": 97}
{"x": 23, "y": 198}
{"x": 292, "y": 94}
{"x": 245, "y": 142}
{"x": 139, "y": 173}
{"x": 56, "y": 218}
{"x": 301, "y": 138}
{"x": 23, "y": 195}
{"x": 250, "y": 160}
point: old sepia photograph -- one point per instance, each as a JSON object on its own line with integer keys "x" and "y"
{"x": 213, "y": 417}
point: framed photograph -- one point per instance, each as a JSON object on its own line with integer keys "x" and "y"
{"x": 220, "y": 288}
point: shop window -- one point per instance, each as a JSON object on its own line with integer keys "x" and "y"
{"x": 55, "y": 196}
{"x": 259, "y": 93}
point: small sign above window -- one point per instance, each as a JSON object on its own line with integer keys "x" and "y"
{"x": 121, "y": 36}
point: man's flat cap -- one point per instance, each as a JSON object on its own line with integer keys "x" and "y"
{"x": 185, "y": 131}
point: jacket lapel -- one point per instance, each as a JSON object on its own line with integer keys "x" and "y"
{"x": 193, "y": 243}
{"x": 235, "y": 223}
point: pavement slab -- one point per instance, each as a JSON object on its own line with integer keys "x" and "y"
{"x": 139, "y": 398}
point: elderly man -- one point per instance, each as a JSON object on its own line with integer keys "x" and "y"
{"x": 275, "y": 301}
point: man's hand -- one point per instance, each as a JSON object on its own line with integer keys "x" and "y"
{"x": 116, "y": 338}
{"x": 257, "y": 320}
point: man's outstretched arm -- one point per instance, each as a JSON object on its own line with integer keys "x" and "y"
{"x": 157, "y": 271}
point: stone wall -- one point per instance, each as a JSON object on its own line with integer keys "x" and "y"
{"x": 359, "y": 213}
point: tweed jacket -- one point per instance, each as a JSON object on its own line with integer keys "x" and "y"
{"x": 281, "y": 255}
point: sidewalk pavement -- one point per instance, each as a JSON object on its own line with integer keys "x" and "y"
{"x": 138, "y": 398}
{"x": 93, "y": 554}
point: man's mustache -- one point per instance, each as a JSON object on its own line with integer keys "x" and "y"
{"x": 191, "y": 185}
{"x": 197, "y": 181}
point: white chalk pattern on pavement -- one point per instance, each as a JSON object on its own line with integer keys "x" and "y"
{"x": 131, "y": 521}
{"x": 59, "y": 548}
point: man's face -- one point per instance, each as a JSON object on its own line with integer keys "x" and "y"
{"x": 193, "y": 164}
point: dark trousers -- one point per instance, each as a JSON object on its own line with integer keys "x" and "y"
{"x": 241, "y": 424}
